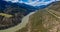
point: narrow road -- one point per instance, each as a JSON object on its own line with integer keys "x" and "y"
{"x": 53, "y": 13}
{"x": 19, "y": 26}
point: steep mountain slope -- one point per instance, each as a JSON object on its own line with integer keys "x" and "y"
{"x": 45, "y": 20}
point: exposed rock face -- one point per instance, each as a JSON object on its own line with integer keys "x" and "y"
{"x": 17, "y": 15}
{"x": 45, "y": 20}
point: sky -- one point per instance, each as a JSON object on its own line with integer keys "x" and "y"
{"x": 32, "y": 2}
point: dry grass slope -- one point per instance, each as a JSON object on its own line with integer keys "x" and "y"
{"x": 43, "y": 21}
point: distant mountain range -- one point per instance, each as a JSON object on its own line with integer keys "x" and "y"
{"x": 23, "y": 5}
{"x": 29, "y": 8}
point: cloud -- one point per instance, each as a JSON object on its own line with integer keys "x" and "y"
{"x": 35, "y": 3}
{"x": 13, "y": 1}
